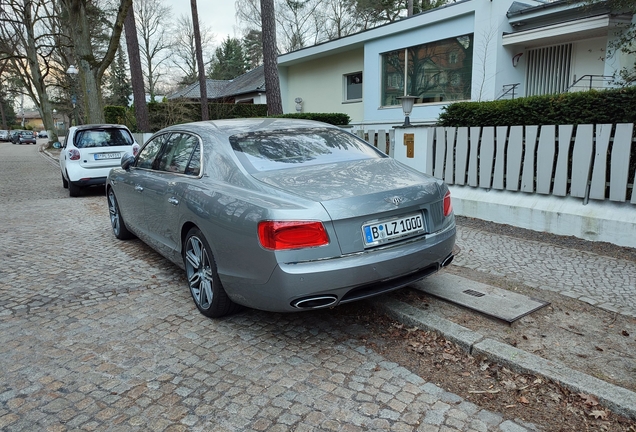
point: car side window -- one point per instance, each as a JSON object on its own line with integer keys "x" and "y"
{"x": 178, "y": 155}
{"x": 148, "y": 154}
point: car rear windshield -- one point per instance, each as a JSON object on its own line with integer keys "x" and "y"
{"x": 292, "y": 148}
{"x": 106, "y": 137}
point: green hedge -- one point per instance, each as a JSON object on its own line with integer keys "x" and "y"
{"x": 115, "y": 114}
{"x": 168, "y": 113}
{"x": 336, "y": 119}
{"x": 589, "y": 107}
{"x": 175, "y": 112}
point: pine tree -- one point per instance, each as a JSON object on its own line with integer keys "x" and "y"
{"x": 230, "y": 60}
{"x": 253, "y": 48}
{"x": 119, "y": 87}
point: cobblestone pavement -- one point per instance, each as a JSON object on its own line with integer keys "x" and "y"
{"x": 602, "y": 281}
{"x": 98, "y": 334}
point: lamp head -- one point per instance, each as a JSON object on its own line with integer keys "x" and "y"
{"x": 407, "y": 107}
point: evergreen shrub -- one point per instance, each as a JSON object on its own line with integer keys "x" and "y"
{"x": 589, "y": 107}
{"x": 336, "y": 119}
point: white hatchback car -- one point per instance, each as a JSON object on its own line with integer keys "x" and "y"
{"x": 90, "y": 151}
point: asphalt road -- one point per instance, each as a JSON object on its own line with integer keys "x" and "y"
{"x": 98, "y": 334}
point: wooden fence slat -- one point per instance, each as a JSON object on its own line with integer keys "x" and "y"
{"x": 371, "y": 137}
{"x": 498, "y": 177}
{"x": 392, "y": 143}
{"x": 449, "y": 172}
{"x": 382, "y": 144}
{"x": 619, "y": 170}
{"x": 545, "y": 158}
{"x": 440, "y": 152}
{"x": 473, "y": 161}
{"x": 513, "y": 163}
{"x": 461, "y": 154}
{"x": 527, "y": 177}
{"x": 430, "y": 150}
{"x": 582, "y": 159}
{"x": 360, "y": 133}
{"x": 599, "y": 171}
{"x": 561, "y": 174}
{"x": 486, "y": 157}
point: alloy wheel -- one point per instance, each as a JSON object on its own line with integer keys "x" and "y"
{"x": 199, "y": 272}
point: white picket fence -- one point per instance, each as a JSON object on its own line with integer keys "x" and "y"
{"x": 382, "y": 139}
{"x": 586, "y": 161}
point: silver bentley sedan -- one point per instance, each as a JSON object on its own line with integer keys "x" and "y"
{"x": 281, "y": 215}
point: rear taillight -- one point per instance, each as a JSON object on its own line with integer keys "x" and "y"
{"x": 281, "y": 235}
{"x": 448, "y": 205}
{"x": 73, "y": 154}
{"x": 135, "y": 149}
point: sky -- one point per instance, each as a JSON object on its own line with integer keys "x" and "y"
{"x": 217, "y": 14}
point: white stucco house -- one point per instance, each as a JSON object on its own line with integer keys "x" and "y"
{"x": 469, "y": 50}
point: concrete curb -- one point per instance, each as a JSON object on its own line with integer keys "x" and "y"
{"x": 617, "y": 399}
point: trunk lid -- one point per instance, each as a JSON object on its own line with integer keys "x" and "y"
{"x": 364, "y": 192}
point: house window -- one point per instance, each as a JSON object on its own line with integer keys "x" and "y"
{"x": 548, "y": 70}
{"x": 434, "y": 72}
{"x": 353, "y": 86}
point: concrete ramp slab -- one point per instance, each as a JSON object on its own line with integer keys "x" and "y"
{"x": 486, "y": 299}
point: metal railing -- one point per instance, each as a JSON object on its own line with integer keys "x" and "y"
{"x": 509, "y": 89}
{"x": 588, "y": 82}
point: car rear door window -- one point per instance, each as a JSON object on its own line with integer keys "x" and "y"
{"x": 148, "y": 154}
{"x": 180, "y": 155}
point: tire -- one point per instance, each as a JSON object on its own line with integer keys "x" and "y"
{"x": 64, "y": 182}
{"x": 116, "y": 221}
{"x": 74, "y": 190}
{"x": 203, "y": 279}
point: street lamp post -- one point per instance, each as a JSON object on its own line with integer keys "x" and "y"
{"x": 72, "y": 71}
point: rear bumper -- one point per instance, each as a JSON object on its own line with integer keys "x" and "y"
{"x": 81, "y": 176}
{"x": 98, "y": 181}
{"x": 345, "y": 279}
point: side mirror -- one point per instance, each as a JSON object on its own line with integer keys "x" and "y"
{"x": 127, "y": 160}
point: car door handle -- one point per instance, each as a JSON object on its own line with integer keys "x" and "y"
{"x": 173, "y": 201}
{"x": 139, "y": 188}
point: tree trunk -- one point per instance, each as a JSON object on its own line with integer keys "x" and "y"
{"x": 91, "y": 70}
{"x": 203, "y": 86}
{"x": 270, "y": 58}
{"x": 136, "y": 74}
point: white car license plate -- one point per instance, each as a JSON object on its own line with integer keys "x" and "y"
{"x": 392, "y": 229}
{"x": 100, "y": 156}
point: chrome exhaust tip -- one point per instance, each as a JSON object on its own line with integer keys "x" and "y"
{"x": 316, "y": 302}
{"x": 447, "y": 260}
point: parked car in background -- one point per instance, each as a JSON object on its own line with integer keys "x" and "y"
{"x": 4, "y": 135}
{"x": 14, "y": 136}
{"x": 25, "y": 137}
{"x": 90, "y": 151}
{"x": 43, "y": 134}
{"x": 281, "y": 215}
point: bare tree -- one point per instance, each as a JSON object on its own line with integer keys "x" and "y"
{"x": 339, "y": 18}
{"x": 153, "y": 26}
{"x": 298, "y": 24}
{"x": 203, "y": 87}
{"x": 270, "y": 56}
{"x": 26, "y": 44}
{"x": 139, "y": 92}
{"x": 184, "y": 55}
